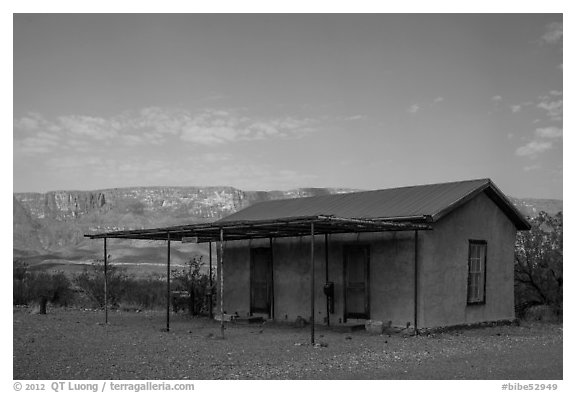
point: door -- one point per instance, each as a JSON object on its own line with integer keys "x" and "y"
{"x": 356, "y": 282}
{"x": 261, "y": 281}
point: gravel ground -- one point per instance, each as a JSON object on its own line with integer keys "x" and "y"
{"x": 75, "y": 344}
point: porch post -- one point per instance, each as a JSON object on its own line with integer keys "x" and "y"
{"x": 271, "y": 315}
{"x": 312, "y": 283}
{"x": 221, "y": 257}
{"x": 105, "y": 283}
{"x": 415, "y": 282}
{"x": 168, "y": 282}
{"x": 326, "y": 266}
{"x": 210, "y": 279}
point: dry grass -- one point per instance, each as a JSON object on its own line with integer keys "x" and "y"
{"x": 74, "y": 344}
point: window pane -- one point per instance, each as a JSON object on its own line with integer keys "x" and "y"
{"x": 476, "y": 267}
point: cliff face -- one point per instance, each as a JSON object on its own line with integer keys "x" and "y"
{"x": 61, "y": 205}
{"x": 60, "y": 218}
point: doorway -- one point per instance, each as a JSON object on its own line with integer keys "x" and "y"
{"x": 356, "y": 282}
{"x": 261, "y": 283}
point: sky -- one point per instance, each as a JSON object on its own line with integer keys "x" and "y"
{"x": 264, "y": 102}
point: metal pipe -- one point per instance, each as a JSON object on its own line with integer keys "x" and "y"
{"x": 415, "y": 282}
{"x": 105, "y": 282}
{"x": 327, "y": 279}
{"x": 168, "y": 283}
{"x": 210, "y": 280}
{"x": 312, "y": 283}
{"x": 271, "y": 316}
{"x": 221, "y": 257}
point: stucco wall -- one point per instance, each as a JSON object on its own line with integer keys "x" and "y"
{"x": 444, "y": 266}
{"x": 391, "y": 276}
{"x": 443, "y": 269}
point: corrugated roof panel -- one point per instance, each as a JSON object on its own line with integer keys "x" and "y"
{"x": 389, "y": 203}
{"x": 433, "y": 200}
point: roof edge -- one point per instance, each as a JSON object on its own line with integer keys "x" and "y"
{"x": 497, "y": 196}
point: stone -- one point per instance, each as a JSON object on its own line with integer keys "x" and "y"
{"x": 374, "y": 327}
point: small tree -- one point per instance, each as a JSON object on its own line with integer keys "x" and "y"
{"x": 197, "y": 284}
{"x": 20, "y": 274}
{"x": 45, "y": 287}
{"x": 40, "y": 287}
{"x": 91, "y": 281}
{"x": 538, "y": 262}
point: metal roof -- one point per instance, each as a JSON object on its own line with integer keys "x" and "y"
{"x": 394, "y": 209}
{"x": 238, "y": 230}
{"x": 423, "y": 203}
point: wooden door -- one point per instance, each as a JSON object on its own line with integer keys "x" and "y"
{"x": 261, "y": 281}
{"x": 356, "y": 282}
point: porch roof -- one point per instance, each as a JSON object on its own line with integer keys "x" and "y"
{"x": 254, "y": 229}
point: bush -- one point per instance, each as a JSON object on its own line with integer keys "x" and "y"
{"x": 196, "y": 284}
{"x": 40, "y": 287}
{"x": 149, "y": 292}
{"x": 538, "y": 269}
{"x": 91, "y": 282}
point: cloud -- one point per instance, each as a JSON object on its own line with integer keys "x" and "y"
{"x": 544, "y": 139}
{"x": 355, "y": 117}
{"x": 438, "y": 100}
{"x": 153, "y": 125}
{"x": 87, "y": 126}
{"x": 413, "y": 108}
{"x": 549, "y": 132}
{"x": 530, "y": 168}
{"x": 533, "y": 148}
{"x": 215, "y": 127}
{"x": 42, "y": 143}
{"x": 553, "y": 33}
{"x": 516, "y": 108}
{"x": 553, "y": 104}
{"x": 496, "y": 98}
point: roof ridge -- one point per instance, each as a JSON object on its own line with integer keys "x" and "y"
{"x": 487, "y": 180}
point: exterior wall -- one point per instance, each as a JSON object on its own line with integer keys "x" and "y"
{"x": 442, "y": 271}
{"x": 391, "y": 276}
{"x": 444, "y": 266}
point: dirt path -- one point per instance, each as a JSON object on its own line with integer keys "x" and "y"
{"x": 74, "y": 344}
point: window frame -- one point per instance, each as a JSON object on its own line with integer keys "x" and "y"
{"x": 482, "y": 299}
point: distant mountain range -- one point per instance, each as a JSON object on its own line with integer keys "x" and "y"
{"x": 49, "y": 228}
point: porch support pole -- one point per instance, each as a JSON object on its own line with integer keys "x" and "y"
{"x": 415, "y": 282}
{"x": 312, "y": 283}
{"x": 168, "y": 282}
{"x": 105, "y": 282}
{"x": 210, "y": 280}
{"x": 271, "y": 316}
{"x": 221, "y": 257}
{"x": 326, "y": 263}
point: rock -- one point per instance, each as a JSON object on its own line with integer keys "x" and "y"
{"x": 541, "y": 313}
{"x": 374, "y": 327}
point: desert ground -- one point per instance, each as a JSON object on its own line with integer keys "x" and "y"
{"x": 76, "y": 344}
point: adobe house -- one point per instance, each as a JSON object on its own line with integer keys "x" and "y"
{"x": 429, "y": 256}
{"x": 457, "y": 270}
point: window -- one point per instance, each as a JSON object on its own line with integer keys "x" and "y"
{"x": 476, "y": 272}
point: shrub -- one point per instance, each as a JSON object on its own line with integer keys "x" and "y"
{"x": 91, "y": 282}
{"x": 538, "y": 269}
{"x": 197, "y": 284}
{"x": 41, "y": 287}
